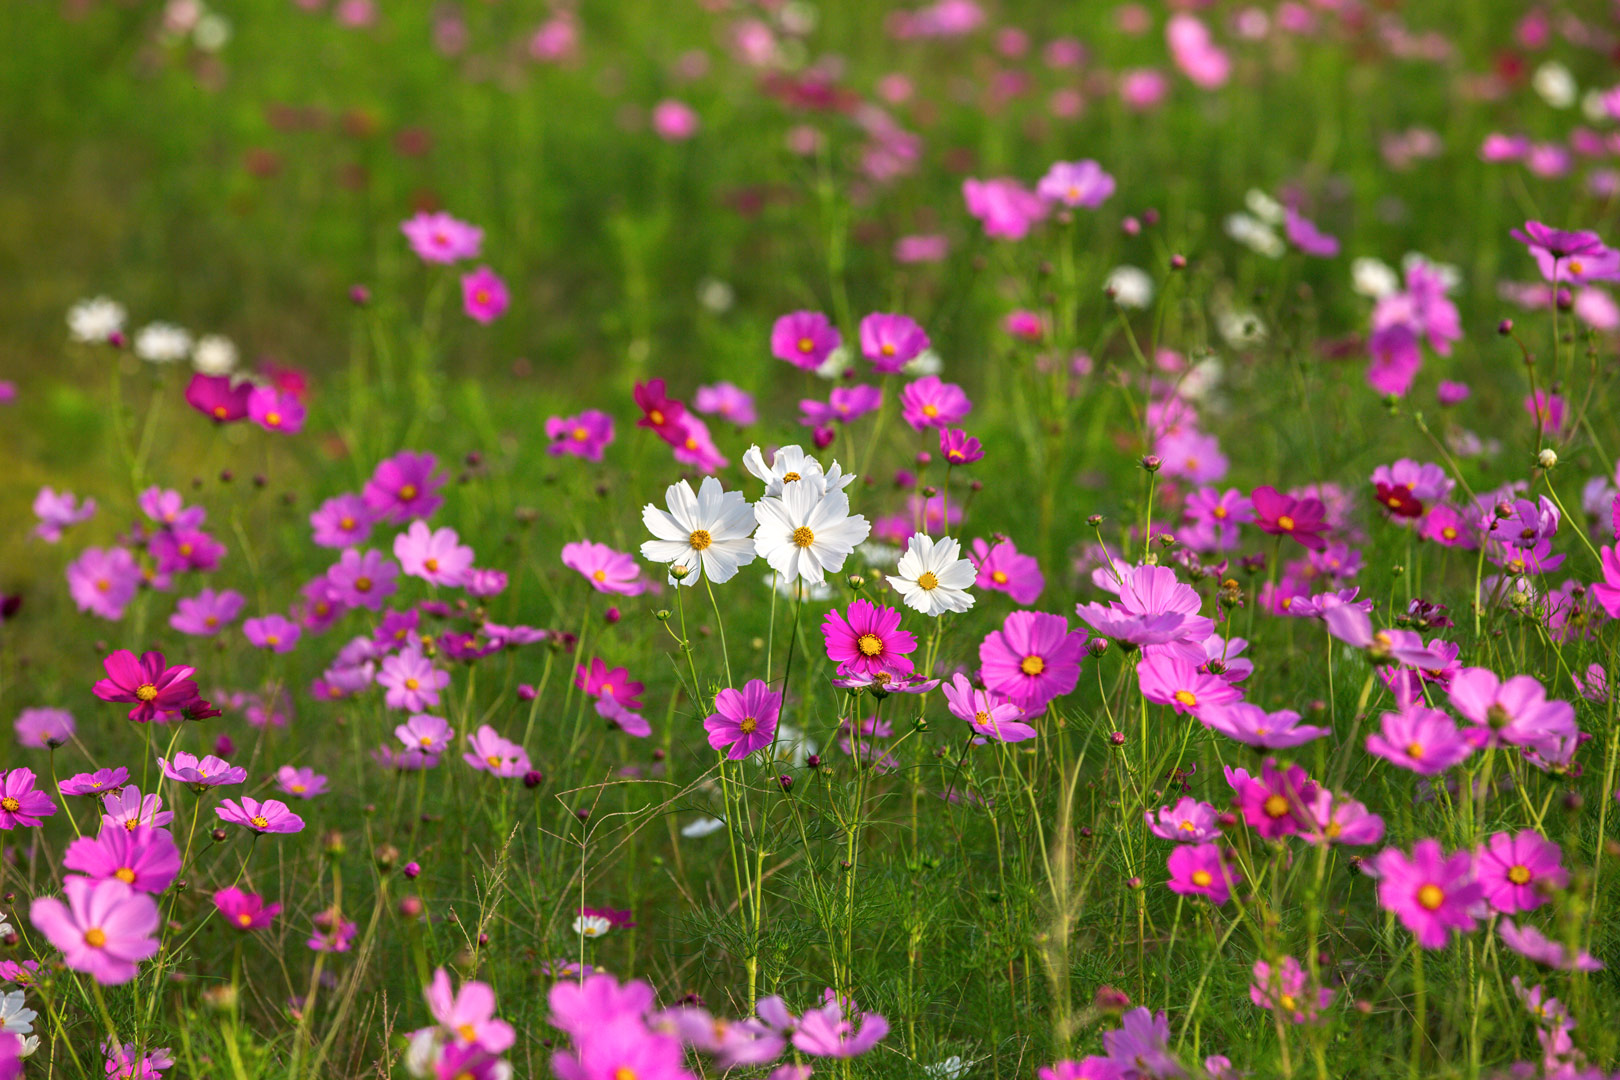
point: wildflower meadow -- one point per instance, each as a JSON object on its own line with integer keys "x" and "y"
{"x": 944, "y": 539}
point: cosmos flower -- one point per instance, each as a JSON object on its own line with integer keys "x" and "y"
{"x": 43, "y": 728}
{"x": 104, "y": 928}
{"x": 440, "y": 238}
{"x": 270, "y": 816}
{"x": 931, "y": 402}
{"x": 701, "y": 534}
{"x": 149, "y": 683}
{"x": 342, "y": 521}
{"x": 1519, "y": 872}
{"x": 1003, "y": 568}
{"x": 1032, "y": 659}
{"x": 21, "y": 804}
{"x": 891, "y": 341}
{"x": 206, "y": 771}
{"x": 1203, "y": 870}
{"x": 1076, "y": 183}
{"x": 606, "y": 570}
{"x": 584, "y": 436}
{"x": 273, "y": 632}
{"x": 207, "y": 613}
{"x": 989, "y": 715}
{"x": 868, "y": 640}
{"x": 403, "y": 487}
{"x": 103, "y": 581}
{"x": 488, "y": 752}
{"x": 245, "y": 910}
{"x": 744, "y": 720}
{"x": 145, "y": 859}
{"x": 931, "y": 578}
{"x": 804, "y": 339}
{"x": 411, "y": 681}
{"x": 437, "y": 556}
{"x": 484, "y": 296}
{"x": 1431, "y": 893}
{"x": 1423, "y": 740}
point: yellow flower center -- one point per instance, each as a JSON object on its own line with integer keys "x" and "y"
{"x": 273, "y": 419}
{"x": 930, "y": 410}
{"x": 272, "y": 640}
{"x": 1187, "y": 698}
{"x": 426, "y": 740}
{"x": 1219, "y": 513}
{"x": 599, "y": 575}
{"x": 494, "y": 760}
{"x": 1285, "y": 523}
{"x": 10, "y": 805}
{"x": 624, "y": 1072}
{"x": 467, "y": 1032}
{"x": 408, "y": 491}
{"x": 299, "y": 789}
{"x": 748, "y": 726}
{"x": 95, "y": 937}
{"x": 1032, "y": 665}
{"x": 362, "y": 584}
{"x": 1288, "y": 1001}
{"x": 1202, "y": 878}
{"x": 186, "y": 550}
{"x": 1519, "y": 875}
{"x": 580, "y": 434}
{"x": 998, "y": 576}
{"x": 869, "y": 644}
{"x": 1414, "y": 750}
{"x": 1187, "y": 826}
{"x": 220, "y": 412}
{"x": 700, "y": 539}
{"x": 412, "y": 684}
{"x": 1276, "y": 806}
{"x": 887, "y": 349}
{"x": 211, "y": 621}
{"x": 806, "y": 345}
{"x": 1431, "y": 897}
{"x": 482, "y": 296}
{"x": 430, "y": 565}
{"x": 125, "y": 874}
{"x": 259, "y": 821}
{"x": 244, "y": 919}
{"x": 102, "y": 585}
{"x": 803, "y": 537}
{"x": 146, "y": 692}
{"x": 790, "y": 477}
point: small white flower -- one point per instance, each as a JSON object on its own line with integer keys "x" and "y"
{"x": 707, "y": 531}
{"x": 211, "y": 33}
{"x": 1594, "y": 107}
{"x": 715, "y": 296}
{"x": 789, "y": 465}
{"x": 1131, "y": 287}
{"x": 1555, "y": 84}
{"x": 1373, "y": 277}
{"x": 162, "y": 343}
{"x": 1241, "y": 327}
{"x": 932, "y": 578}
{"x": 1264, "y": 207}
{"x": 1200, "y": 379}
{"x": 423, "y": 1052}
{"x": 5, "y": 927}
{"x": 15, "y": 1016}
{"x": 591, "y": 926}
{"x": 703, "y": 826}
{"x": 1255, "y": 235}
{"x": 805, "y": 533}
{"x": 95, "y": 320}
{"x": 949, "y": 1069}
{"x": 926, "y": 362}
{"x": 214, "y": 355}
{"x": 835, "y": 365}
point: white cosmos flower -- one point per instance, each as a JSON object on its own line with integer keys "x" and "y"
{"x": 1131, "y": 286}
{"x": 162, "y": 343}
{"x": 1255, "y": 235}
{"x": 949, "y": 1069}
{"x": 592, "y": 926}
{"x": 15, "y": 1016}
{"x": 926, "y": 362}
{"x": 1555, "y": 84}
{"x": 703, "y": 826}
{"x": 707, "y": 531}
{"x": 94, "y": 321}
{"x": 1373, "y": 277}
{"x": 932, "y": 578}
{"x": 214, "y": 355}
{"x": 1264, "y": 207}
{"x": 804, "y": 533}
{"x": 878, "y": 555}
{"x": 790, "y": 464}
{"x": 835, "y": 365}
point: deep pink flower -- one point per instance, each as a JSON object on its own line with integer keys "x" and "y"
{"x": 598, "y": 680}
{"x": 104, "y": 929}
{"x": 744, "y": 720}
{"x": 990, "y": 715}
{"x": 273, "y": 632}
{"x": 930, "y": 402}
{"x": 1430, "y": 892}
{"x": 149, "y": 683}
{"x": 1203, "y": 870}
{"x": 1032, "y": 659}
{"x": 674, "y": 121}
{"x": 1005, "y": 569}
{"x": 868, "y": 640}
{"x": 585, "y": 435}
{"x": 1155, "y": 611}
{"x": 1303, "y": 234}
{"x": 1179, "y": 683}
{"x": 270, "y": 816}
{"x": 606, "y": 570}
{"x": 440, "y": 238}
{"x": 218, "y": 397}
{"x": 1278, "y": 801}
{"x": 1190, "y": 821}
{"x": 245, "y": 910}
{"x": 1519, "y": 872}
{"x": 804, "y": 339}
{"x": 403, "y": 487}
{"x": 891, "y": 341}
{"x": 275, "y": 411}
{"x": 660, "y": 412}
{"x": 697, "y": 448}
{"x": 957, "y": 447}
{"x": 1421, "y": 739}
{"x": 341, "y": 521}
{"x": 20, "y": 803}
{"x": 1282, "y": 515}
{"x": 145, "y": 859}
{"x": 363, "y": 578}
{"x": 484, "y": 296}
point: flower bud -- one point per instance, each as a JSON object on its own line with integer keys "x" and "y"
{"x": 412, "y": 870}
{"x": 1547, "y": 458}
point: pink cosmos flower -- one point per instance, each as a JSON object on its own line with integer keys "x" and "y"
{"x": 1446, "y": 526}
{"x": 440, "y": 238}
{"x": 1192, "y": 456}
{"x": 104, "y": 929}
{"x": 302, "y": 783}
{"x": 1340, "y": 820}
{"x": 363, "y": 578}
{"x": 437, "y": 556}
{"x": 1076, "y": 183}
{"x": 827, "y": 1032}
{"x": 845, "y": 404}
{"x": 208, "y": 612}
{"x": 1286, "y": 988}
{"x": 1515, "y": 712}
{"x": 270, "y": 816}
{"x": 488, "y": 752}
{"x": 274, "y": 410}
{"x": 95, "y": 783}
{"x": 1253, "y": 726}
{"x": 128, "y": 809}
{"x": 1277, "y": 802}
{"x": 484, "y": 296}
{"x": 149, "y": 683}
{"x": 58, "y": 512}
{"x": 1177, "y": 682}
{"x": 342, "y": 521}
{"x": 1350, "y": 624}
{"x": 1195, "y": 52}
{"x": 484, "y": 582}
{"x": 334, "y": 934}
{"x": 891, "y": 341}
{"x": 957, "y": 447}
{"x": 585, "y": 435}
{"x": 468, "y": 1015}
{"x": 1282, "y": 515}
{"x": 1155, "y": 612}
{"x": 697, "y": 448}
{"x": 41, "y": 729}
{"x": 102, "y": 581}
{"x": 1532, "y": 944}
{"x": 868, "y": 640}
{"x": 744, "y": 721}
{"x": 404, "y": 487}
{"x": 1423, "y": 740}
{"x": 245, "y": 910}
{"x": 1203, "y": 870}
{"x": 1032, "y": 659}
{"x": 660, "y": 412}
{"x": 167, "y": 507}
{"x": 1519, "y": 872}
{"x": 1006, "y": 208}
{"x": 218, "y": 397}
{"x": 620, "y": 1045}
{"x": 411, "y": 681}
{"x": 606, "y": 570}
{"x": 989, "y": 715}
{"x": 727, "y": 401}
{"x": 674, "y": 121}
{"x": 20, "y": 803}
{"x": 206, "y": 771}
{"x": 274, "y": 632}
{"x": 425, "y": 734}
{"x": 1430, "y": 892}
{"x": 1566, "y": 257}
{"x": 929, "y": 402}
{"x": 921, "y": 248}
{"x": 146, "y": 859}
{"x": 1190, "y": 821}
{"x": 184, "y": 550}
{"x": 598, "y": 680}
{"x": 804, "y": 339}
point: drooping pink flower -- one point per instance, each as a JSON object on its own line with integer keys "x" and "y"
{"x": 1155, "y": 612}
{"x": 42, "y": 729}
{"x": 744, "y": 720}
{"x": 104, "y": 929}
{"x": 1032, "y": 659}
{"x": 218, "y": 397}
{"x": 1532, "y": 944}
{"x": 1431, "y": 893}
{"x": 1515, "y": 712}
{"x": 484, "y": 296}
{"x": 1253, "y": 726}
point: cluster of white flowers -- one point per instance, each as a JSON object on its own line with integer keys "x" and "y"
{"x": 100, "y": 319}
{"x": 803, "y": 529}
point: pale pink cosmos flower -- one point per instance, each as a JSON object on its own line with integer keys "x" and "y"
{"x": 425, "y": 734}
{"x": 274, "y": 632}
{"x": 990, "y": 715}
{"x": 303, "y": 783}
{"x": 488, "y": 752}
{"x": 674, "y": 121}
{"x": 104, "y": 929}
{"x": 102, "y": 581}
{"x": 727, "y": 401}
{"x": 208, "y": 612}
{"x": 440, "y": 238}
{"x": 270, "y": 816}
{"x": 1076, "y": 183}
{"x": 606, "y": 570}
{"x": 468, "y": 1015}
{"x": 363, "y": 579}
{"x": 59, "y": 511}
{"x": 1190, "y": 821}
{"x": 437, "y": 556}
{"x": 411, "y": 681}
{"x": 1515, "y": 711}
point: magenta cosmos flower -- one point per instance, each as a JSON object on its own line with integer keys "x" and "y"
{"x": 405, "y": 487}
{"x": 1341, "y": 820}
{"x": 599, "y": 680}
{"x": 362, "y": 579}
{"x": 744, "y": 720}
{"x": 660, "y": 412}
{"x": 20, "y": 802}
{"x": 342, "y": 521}
{"x": 607, "y": 571}
{"x": 468, "y": 1015}
{"x": 59, "y": 511}
{"x": 957, "y": 447}
{"x": 43, "y": 728}
{"x": 437, "y": 556}
{"x": 1076, "y": 183}
{"x": 1304, "y": 234}
{"x": 104, "y": 929}
{"x": 1276, "y": 803}
{"x": 729, "y": 402}
{"x": 300, "y": 782}
{"x": 488, "y": 752}
{"x": 146, "y": 859}
{"x": 1190, "y": 821}
{"x": 1182, "y": 685}
{"x": 245, "y": 910}
{"x": 826, "y": 1032}
{"x": 206, "y": 771}
{"x": 620, "y": 1045}
{"x": 411, "y": 681}
{"x": 1430, "y": 892}
{"x": 149, "y": 683}
{"x": 1032, "y": 659}
{"x": 275, "y": 410}
{"x": 584, "y": 436}
{"x": 218, "y": 397}
{"x": 1254, "y": 726}
{"x": 1202, "y": 870}
{"x": 484, "y": 296}
{"x": 208, "y": 612}
{"x": 102, "y": 581}
{"x": 674, "y": 121}
{"x": 1519, "y": 872}
{"x": 1583, "y": 254}
{"x": 1423, "y": 740}
{"x": 274, "y": 632}
{"x": 440, "y": 238}
{"x": 425, "y": 734}
{"x": 868, "y": 640}
{"x": 1003, "y": 568}
{"x": 96, "y": 783}
{"x": 1286, "y": 988}
{"x": 804, "y": 339}
{"x": 270, "y": 816}
{"x": 931, "y": 402}
{"x": 1281, "y": 515}
{"x": 891, "y": 341}
{"x": 1515, "y": 712}
{"x": 1154, "y": 611}
{"x": 989, "y": 715}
